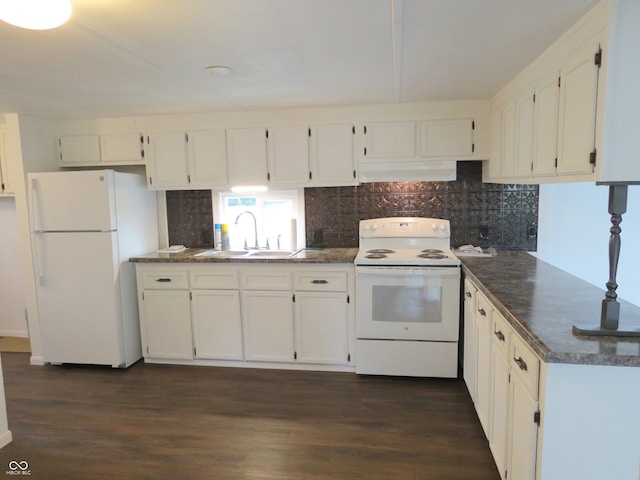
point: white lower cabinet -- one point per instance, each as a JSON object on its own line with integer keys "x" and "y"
{"x": 506, "y": 397}
{"x": 217, "y": 325}
{"x": 267, "y": 321}
{"x": 280, "y": 314}
{"x": 469, "y": 366}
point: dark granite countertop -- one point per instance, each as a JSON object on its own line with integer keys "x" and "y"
{"x": 543, "y": 302}
{"x": 325, "y": 255}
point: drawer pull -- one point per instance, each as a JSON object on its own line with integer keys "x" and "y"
{"x": 319, "y": 282}
{"x": 468, "y": 294}
{"x": 521, "y": 363}
{"x": 482, "y": 312}
{"x": 500, "y": 335}
{"x": 163, "y": 280}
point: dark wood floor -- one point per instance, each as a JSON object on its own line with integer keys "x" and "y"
{"x": 177, "y": 422}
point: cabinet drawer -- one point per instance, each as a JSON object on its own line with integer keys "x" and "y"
{"x": 501, "y": 332}
{"x": 214, "y": 280}
{"x": 165, "y": 280}
{"x": 266, "y": 280}
{"x": 525, "y": 364}
{"x": 320, "y": 281}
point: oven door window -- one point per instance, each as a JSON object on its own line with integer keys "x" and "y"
{"x": 393, "y": 303}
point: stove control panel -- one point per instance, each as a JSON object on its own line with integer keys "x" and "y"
{"x": 404, "y": 227}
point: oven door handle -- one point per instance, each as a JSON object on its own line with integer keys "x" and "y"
{"x": 407, "y": 272}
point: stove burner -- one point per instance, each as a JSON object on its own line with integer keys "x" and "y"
{"x": 380, "y": 250}
{"x": 432, "y": 256}
{"x": 375, "y": 256}
{"x": 432, "y": 250}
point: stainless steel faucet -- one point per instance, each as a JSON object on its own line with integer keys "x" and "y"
{"x": 255, "y": 229}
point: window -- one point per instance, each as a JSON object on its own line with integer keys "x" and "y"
{"x": 279, "y": 218}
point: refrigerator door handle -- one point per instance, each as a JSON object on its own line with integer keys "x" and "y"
{"x": 38, "y": 260}
{"x": 34, "y": 205}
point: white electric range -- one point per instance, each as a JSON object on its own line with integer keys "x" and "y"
{"x": 407, "y": 298}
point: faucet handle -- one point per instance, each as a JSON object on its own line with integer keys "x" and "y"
{"x": 267, "y": 244}
{"x": 278, "y": 240}
{"x": 246, "y": 247}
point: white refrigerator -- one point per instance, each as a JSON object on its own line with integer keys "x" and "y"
{"x": 85, "y": 225}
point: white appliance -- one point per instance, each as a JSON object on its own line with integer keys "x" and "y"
{"x": 407, "y": 298}
{"x": 85, "y": 225}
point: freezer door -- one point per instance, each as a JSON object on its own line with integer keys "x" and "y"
{"x": 72, "y": 201}
{"x": 78, "y": 297}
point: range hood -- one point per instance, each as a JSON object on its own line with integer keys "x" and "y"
{"x": 419, "y": 171}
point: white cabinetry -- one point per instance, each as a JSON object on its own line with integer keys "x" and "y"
{"x": 524, "y": 135}
{"x": 288, "y": 155}
{"x": 507, "y": 387}
{"x": 446, "y": 138}
{"x": 215, "y": 313}
{"x": 165, "y": 313}
{"x": 5, "y": 181}
{"x": 469, "y": 366}
{"x": 483, "y": 362}
{"x": 207, "y": 158}
{"x": 106, "y": 149}
{"x": 247, "y": 156}
{"x": 390, "y": 140}
{"x": 545, "y": 151}
{"x": 167, "y": 166}
{"x": 332, "y": 155}
{"x": 322, "y": 317}
{"x": 577, "y": 120}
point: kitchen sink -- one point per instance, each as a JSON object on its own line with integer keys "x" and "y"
{"x": 272, "y": 253}
{"x": 222, "y": 253}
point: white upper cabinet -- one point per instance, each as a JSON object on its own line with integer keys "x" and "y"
{"x": 5, "y": 181}
{"x": 207, "y": 158}
{"x": 495, "y": 165}
{"x": 122, "y": 148}
{"x": 524, "y": 134}
{"x": 577, "y": 121}
{"x": 545, "y": 151}
{"x": 332, "y": 156}
{"x": 288, "y": 155}
{"x": 77, "y": 150}
{"x": 107, "y": 149}
{"x": 509, "y": 149}
{"x": 447, "y": 138}
{"x": 247, "y": 156}
{"x": 167, "y": 166}
{"x": 390, "y": 140}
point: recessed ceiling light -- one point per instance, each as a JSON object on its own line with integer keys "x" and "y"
{"x": 218, "y": 70}
{"x": 35, "y": 14}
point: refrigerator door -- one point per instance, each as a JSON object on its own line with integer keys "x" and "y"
{"x": 79, "y": 297}
{"x": 81, "y": 201}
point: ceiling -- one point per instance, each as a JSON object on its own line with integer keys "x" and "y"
{"x": 145, "y": 57}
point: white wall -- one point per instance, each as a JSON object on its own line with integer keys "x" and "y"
{"x": 12, "y": 285}
{"x": 573, "y": 234}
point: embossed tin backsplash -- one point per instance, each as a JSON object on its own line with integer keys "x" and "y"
{"x": 485, "y": 214}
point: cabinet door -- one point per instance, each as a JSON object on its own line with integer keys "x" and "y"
{"x": 545, "y": 148}
{"x": 217, "y": 325}
{"x": 578, "y": 99}
{"x": 207, "y": 154}
{"x": 390, "y": 140}
{"x": 483, "y": 386}
{"x": 167, "y": 163}
{"x": 500, "y": 410}
{"x": 167, "y": 321}
{"x": 508, "y": 140}
{"x": 469, "y": 367}
{"x": 79, "y": 150}
{"x": 122, "y": 148}
{"x": 495, "y": 160}
{"x": 321, "y": 327}
{"x": 288, "y": 155}
{"x": 523, "y": 432}
{"x": 6, "y": 187}
{"x": 332, "y": 158}
{"x": 524, "y": 135}
{"x": 247, "y": 156}
{"x": 446, "y": 138}
{"x": 267, "y": 324}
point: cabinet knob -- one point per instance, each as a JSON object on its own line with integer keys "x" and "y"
{"x": 468, "y": 294}
{"x": 482, "y": 312}
{"x": 163, "y": 280}
{"x": 500, "y": 335}
{"x": 521, "y": 363}
{"x": 319, "y": 282}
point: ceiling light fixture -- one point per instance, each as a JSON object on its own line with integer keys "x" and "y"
{"x": 218, "y": 70}
{"x": 35, "y": 14}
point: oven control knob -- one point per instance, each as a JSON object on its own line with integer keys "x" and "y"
{"x": 434, "y": 227}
